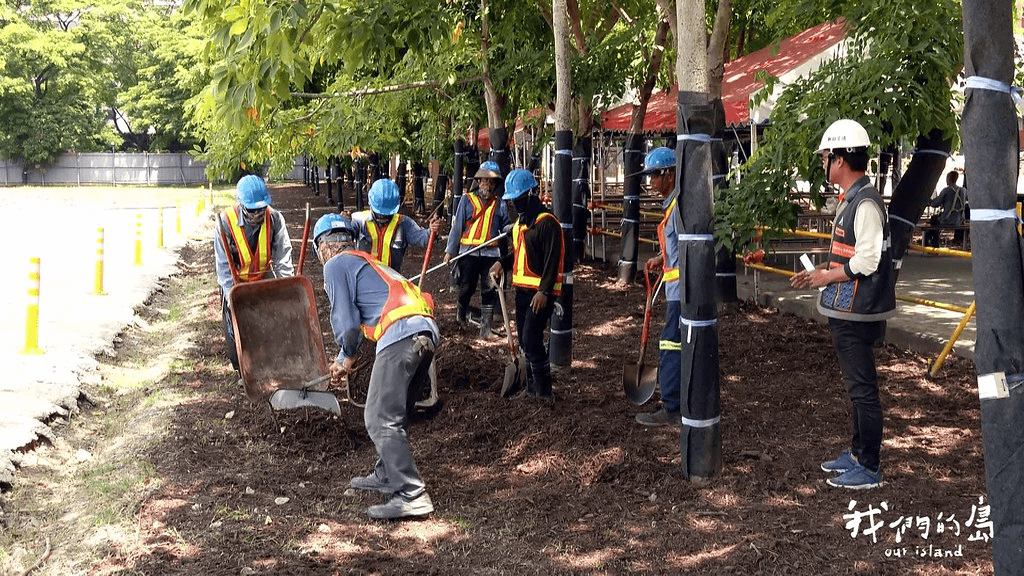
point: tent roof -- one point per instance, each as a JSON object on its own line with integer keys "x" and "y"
{"x": 739, "y": 81}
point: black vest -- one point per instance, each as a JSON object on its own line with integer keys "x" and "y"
{"x": 863, "y": 298}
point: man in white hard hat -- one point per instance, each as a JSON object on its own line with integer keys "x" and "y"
{"x": 858, "y": 294}
{"x": 257, "y": 243}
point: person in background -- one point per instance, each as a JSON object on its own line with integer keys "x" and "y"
{"x": 953, "y": 203}
{"x": 383, "y": 232}
{"x": 536, "y": 262}
{"x": 370, "y": 300}
{"x": 858, "y": 295}
{"x": 257, "y": 244}
{"x": 479, "y": 217}
{"x": 660, "y": 165}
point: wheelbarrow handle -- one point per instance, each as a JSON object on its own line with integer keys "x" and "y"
{"x": 426, "y": 259}
{"x": 305, "y": 238}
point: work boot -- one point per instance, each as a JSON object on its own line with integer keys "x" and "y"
{"x": 539, "y": 385}
{"x": 371, "y": 482}
{"x": 660, "y": 418}
{"x": 486, "y": 317}
{"x": 460, "y": 317}
{"x": 400, "y": 506}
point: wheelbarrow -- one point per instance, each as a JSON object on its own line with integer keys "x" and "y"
{"x": 280, "y": 348}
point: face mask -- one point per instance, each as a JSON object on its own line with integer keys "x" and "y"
{"x": 253, "y": 217}
{"x": 381, "y": 219}
{"x": 521, "y": 203}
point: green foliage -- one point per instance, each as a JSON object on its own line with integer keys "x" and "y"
{"x": 895, "y": 80}
{"x": 163, "y": 73}
{"x": 66, "y": 65}
{"x": 286, "y": 76}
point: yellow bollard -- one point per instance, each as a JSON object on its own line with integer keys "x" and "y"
{"x": 160, "y": 228}
{"x": 177, "y": 218}
{"x": 200, "y": 206}
{"x": 32, "y": 310}
{"x": 98, "y": 282}
{"x": 138, "y": 239}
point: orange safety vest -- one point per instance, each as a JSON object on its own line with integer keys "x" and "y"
{"x": 522, "y": 275}
{"x": 404, "y": 298}
{"x": 382, "y": 237}
{"x": 670, "y": 274}
{"x": 481, "y": 222}
{"x": 250, "y": 266}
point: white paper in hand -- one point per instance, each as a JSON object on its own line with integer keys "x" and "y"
{"x": 806, "y": 261}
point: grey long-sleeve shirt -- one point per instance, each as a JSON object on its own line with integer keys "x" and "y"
{"x": 357, "y": 294}
{"x": 280, "y": 248}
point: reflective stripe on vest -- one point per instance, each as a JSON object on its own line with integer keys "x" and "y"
{"x": 250, "y": 268}
{"x": 480, "y": 222}
{"x": 671, "y": 273}
{"x": 381, "y": 239}
{"x": 522, "y": 275}
{"x": 404, "y": 298}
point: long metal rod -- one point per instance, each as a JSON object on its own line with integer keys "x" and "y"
{"x": 466, "y": 253}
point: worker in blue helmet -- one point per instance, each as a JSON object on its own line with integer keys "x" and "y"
{"x": 660, "y": 167}
{"x": 371, "y": 301}
{"x": 536, "y": 262}
{"x": 257, "y": 243}
{"x": 384, "y": 233}
{"x": 479, "y": 217}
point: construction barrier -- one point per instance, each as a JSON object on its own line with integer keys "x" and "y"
{"x": 138, "y": 239}
{"x": 98, "y": 278}
{"x": 32, "y": 310}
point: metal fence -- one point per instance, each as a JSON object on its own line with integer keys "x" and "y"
{"x": 115, "y": 168}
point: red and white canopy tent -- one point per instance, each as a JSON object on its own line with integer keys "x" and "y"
{"x": 789, "y": 59}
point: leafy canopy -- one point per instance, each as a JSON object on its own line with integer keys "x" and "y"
{"x": 895, "y": 79}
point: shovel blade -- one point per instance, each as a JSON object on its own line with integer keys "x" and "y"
{"x": 639, "y": 382}
{"x": 514, "y": 378}
{"x": 292, "y": 399}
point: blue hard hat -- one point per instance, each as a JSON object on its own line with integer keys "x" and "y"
{"x": 659, "y": 159}
{"x": 252, "y": 192}
{"x": 517, "y": 183}
{"x": 333, "y": 223}
{"x": 384, "y": 197}
{"x": 488, "y": 169}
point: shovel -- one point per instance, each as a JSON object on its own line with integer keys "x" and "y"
{"x": 639, "y": 381}
{"x": 306, "y": 398}
{"x": 515, "y": 372}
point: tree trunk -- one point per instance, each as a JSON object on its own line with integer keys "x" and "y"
{"x": 700, "y": 440}
{"x": 633, "y": 154}
{"x": 990, "y": 146}
{"x": 560, "y": 340}
{"x": 911, "y": 195}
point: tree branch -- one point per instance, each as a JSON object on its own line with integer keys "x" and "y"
{"x": 384, "y": 89}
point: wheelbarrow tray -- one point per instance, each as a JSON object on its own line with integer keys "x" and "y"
{"x": 277, "y": 335}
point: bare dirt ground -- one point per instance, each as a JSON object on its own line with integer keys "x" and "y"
{"x": 182, "y": 475}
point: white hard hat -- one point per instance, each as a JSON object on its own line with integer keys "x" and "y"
{"x": 844, "y": 134}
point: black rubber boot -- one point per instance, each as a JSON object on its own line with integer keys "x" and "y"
{"x": 486, "y": 317}
{"x": 460, "y": 316}
{"x": 539, "y": 385}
